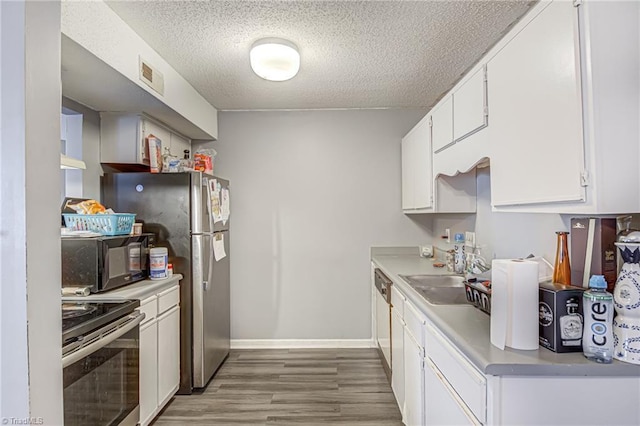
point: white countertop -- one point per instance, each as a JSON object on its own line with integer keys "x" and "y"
{"x": 468, "y": 328}
{"x": 140, "y": 290}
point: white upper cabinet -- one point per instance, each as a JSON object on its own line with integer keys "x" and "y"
{"x": 421, "y": 193}
{"x": 123, "y": 138}
{"x": 564, "y": 98}
{"x": 179, "y": 144}
{"x": 417, "y": 179}
{"x": 470, "y": 105}
{"x": 442, "y": 119}
{"x": 537, "y": 153}
{"x": 553, "y": 109}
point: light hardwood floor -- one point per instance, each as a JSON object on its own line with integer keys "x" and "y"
{"x": 291, "y": 387}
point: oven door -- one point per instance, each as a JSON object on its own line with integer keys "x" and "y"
{"x": 101, "y": 375}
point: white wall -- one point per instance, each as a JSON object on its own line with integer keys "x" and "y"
{"x": 30, "y": 185}
{"x": 505, "y": 235}
{"x": 42, "y": 208}
{"x": 14, "y": 384}
{"x": 311, "y": 191}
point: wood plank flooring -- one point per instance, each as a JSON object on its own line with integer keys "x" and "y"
{"x": 291, "y": 387}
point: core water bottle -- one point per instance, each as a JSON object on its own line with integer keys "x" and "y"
{"x": 597, "y": 338}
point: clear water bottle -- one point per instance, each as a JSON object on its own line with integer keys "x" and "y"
{"x": 597, "y": 337}
{"x": 459, "y": 256}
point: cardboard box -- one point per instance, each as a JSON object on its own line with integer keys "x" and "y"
{"x": 593, "y": 250}
{"x": 560, "y": 319}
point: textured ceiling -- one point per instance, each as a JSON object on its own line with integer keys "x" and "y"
{"x": 354, "y": 54}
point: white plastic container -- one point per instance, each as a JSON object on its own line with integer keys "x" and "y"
{"x": 158, "y": 261}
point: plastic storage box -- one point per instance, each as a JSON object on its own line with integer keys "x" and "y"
{"x": 105, "y": 224}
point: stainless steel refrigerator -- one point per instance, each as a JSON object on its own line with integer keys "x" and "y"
{"x": 178, "y": 208}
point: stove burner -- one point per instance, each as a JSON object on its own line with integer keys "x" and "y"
{"x": 74, "y": 310}
{"x": 82, "y": 317}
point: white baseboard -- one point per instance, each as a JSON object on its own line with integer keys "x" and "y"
{"x": 300, "y": 343}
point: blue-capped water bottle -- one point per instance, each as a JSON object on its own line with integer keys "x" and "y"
{"x": 597, "y": 337}
{"x": 460, "y": 258}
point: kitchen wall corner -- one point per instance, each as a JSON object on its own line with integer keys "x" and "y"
{"x": 311, "y": 192}
{"x": 41, "y": 208}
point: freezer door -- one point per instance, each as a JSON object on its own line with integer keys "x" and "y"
{"x": 200, "y": 204}
{"x": 211, "y": 320}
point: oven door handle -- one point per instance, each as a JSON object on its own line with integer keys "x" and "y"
{"x": 108, "y": 335}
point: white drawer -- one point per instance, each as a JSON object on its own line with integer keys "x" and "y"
{"x": 168, "y": 299}
{"x": 149, "y": 307}
{"x": 397, "y": 301}
{"x": 415, "y": 321}
{"x": 463, "y": 377}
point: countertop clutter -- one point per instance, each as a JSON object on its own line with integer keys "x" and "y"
{"x": 140, "y": 290}
{"x": 468, "y": 328}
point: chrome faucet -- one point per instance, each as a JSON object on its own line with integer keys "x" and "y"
{"x": 476, "y": 264}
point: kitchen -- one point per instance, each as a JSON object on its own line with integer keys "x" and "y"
{"x": 344, "y": 193}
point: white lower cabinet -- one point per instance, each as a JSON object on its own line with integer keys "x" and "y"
{"x": 148, "y": 371}
{"x": 443, "y": 405}
{"x": 413, "y": 381}
{"x": 168, "y": 354}
{"x": 435, "y": 383}
{"x": 159, "y": 352}
{"x": 397, "y": 358}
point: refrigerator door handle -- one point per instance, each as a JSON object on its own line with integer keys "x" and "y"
{"x": 205, "y": 285}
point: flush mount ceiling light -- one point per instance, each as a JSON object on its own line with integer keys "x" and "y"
{"x": 274, "y": 59}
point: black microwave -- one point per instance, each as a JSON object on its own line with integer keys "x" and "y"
{"x": 105, "y": 263}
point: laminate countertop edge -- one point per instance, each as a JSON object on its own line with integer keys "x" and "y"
{"x": 467, "y": 328}
{"x": 140, "y": 290}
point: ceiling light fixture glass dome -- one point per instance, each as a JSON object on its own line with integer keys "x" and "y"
{"x": 275, "y": 59}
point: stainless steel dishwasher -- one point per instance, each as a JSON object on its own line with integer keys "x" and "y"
{"x": 383, "y": 318}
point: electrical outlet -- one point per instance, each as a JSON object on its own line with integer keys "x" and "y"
{"x": 426, "y": 251}
{"x": 470, "y": 239}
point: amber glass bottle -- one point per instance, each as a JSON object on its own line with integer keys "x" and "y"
{"x": 562, "y": 268}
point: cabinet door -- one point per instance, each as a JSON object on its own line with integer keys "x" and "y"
{"x": 397, "y": 359}
{"x": 537, "y": 153}
{"x": 407, "y": 173}
{"x": 417, "y": 177}
{"x": 442, "y": 405}
{"x": 422, "y": 177}
{"x": 148, "y": 371}
{"x": 442, "y": 130}
{"x": 148, "y": 128}
{"x": 470, "y": 106}
{"x": 413, "y": 381}
{"x": 168, "y": 354}
{"x": 178, "y": 145}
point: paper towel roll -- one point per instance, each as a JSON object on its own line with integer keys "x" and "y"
{"x": 514, "y": 304}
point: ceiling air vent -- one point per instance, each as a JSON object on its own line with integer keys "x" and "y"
{"x": 151, "y": 76}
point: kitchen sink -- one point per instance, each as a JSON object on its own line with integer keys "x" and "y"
{"x": 439, "y": 289}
